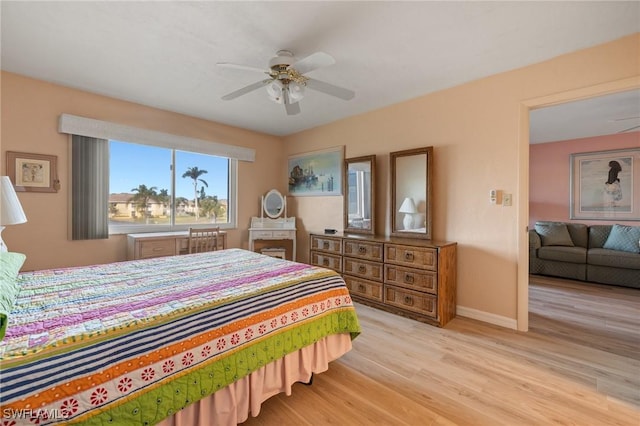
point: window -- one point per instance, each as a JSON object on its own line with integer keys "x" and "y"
{"x": 151, "y": 170}
{"x": 154, "y": 189}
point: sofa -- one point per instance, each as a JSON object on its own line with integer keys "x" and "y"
{"x": 605, "y": 254}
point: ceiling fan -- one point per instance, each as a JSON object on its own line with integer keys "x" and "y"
{"x": 287, "y": 80}
{"x": 635, "y": 118}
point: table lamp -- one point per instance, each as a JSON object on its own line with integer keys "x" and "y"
{"x": 408, "y": 207}
{"x": 11, "y": 212}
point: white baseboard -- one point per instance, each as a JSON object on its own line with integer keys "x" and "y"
{"x": 487, "y": 317}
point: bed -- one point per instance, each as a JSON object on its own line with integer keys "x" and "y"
{"x": 193, "y": 339}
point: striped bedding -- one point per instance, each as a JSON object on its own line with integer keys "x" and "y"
{"x": 133, "y": 342}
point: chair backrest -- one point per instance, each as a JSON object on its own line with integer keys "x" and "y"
{"x": 203, "y": 239}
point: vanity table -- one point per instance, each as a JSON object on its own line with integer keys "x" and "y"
{"x": 273, "y": 228}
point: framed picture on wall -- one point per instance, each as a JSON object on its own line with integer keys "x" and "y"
{"x": 33, "y": 172}
{"x": 316, "y": 173}
{"x": 605, "y": 185}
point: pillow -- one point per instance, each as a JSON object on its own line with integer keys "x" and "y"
{"x": 624, "y": 238}
{"x": 554, "y": 234}
{"x": 10, "y": 264}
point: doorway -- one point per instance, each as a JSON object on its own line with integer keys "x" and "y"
{"x": 523, "y": 177}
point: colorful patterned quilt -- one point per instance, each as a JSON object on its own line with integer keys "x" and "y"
{"x": 133, "y": 342}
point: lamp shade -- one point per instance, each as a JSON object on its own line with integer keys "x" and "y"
{"x": 408, "y": 206}
{"x": 296, "y": 92}
{"x": 275, "y": 89}
{"x": 11, "y": 212}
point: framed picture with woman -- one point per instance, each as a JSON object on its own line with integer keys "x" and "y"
{"x": 605, "y": 185}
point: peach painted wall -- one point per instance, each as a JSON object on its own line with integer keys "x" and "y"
{"x": 549, "y": 174}
{"x": 30, "y": 112}
{"x": 475, "y": 130}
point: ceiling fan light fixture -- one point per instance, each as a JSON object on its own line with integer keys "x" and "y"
{"x": 274, "y": 90}
{"x": 296, "y": 91}
{"x": 287, "y": 82}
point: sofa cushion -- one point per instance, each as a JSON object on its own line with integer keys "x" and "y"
{"x": 563, "y": 254}
{"x": 579, "y": 234}
{"x": 554, "y": 234}
{"x": 613, "y": 258}
{"x": 598, "y": 235}
{"x": 624, "y": 238}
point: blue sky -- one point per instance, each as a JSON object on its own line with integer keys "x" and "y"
{"x": 132, "y": 165}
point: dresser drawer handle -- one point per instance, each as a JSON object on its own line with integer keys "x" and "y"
{"x": 408, "y": 256}
{"x": 362, "y": 269}
{"x": 408, "y": 278}
{"x": 362, "y": 250}
{"x": 408, "y": 300}
{"x": 158, "y": 249}
{"x": 325, "y": 261}
{"x": 325, "y": 245}
{"x": 362, "y": 288}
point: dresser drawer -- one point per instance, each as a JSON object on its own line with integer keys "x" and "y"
{"x": 415, "y": 279}
{"x": 281, "y": 234}
{"x": 326, "y": 260}
{"x": 363, "y": 288}
{"x": 257, "y": 235}
{"x": 363, "y": 268}
{"x": 363, "y": 250}
{"x": 422, "y": 303}
{"x": 328, "y": 244}
{"x": 415, "y": 257}
{"x": 157, "y": 248}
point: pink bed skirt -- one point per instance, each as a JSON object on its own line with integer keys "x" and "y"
{"x": 233, "y": 404}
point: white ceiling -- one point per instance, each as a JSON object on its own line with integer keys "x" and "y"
{"x": 602, "y": 115}
{"x": 164, "y": 54}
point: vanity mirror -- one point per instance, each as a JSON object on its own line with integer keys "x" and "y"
{"x": 411, "y": 187}
{"x": 273, "y": 204}
{"x": 359, "y": 194}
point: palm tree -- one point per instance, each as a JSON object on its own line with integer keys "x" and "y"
{"x": 211, "y": 206}
{"x": 142, "y": 197}
{"x": 195, "y": 173}
{"x": 164, "y": 198}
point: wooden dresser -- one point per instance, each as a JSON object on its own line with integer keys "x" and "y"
{"x": 411, "y": 277}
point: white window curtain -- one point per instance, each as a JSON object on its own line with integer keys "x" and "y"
{"x": 89, "y": 188}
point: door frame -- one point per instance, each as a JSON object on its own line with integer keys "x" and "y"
{"x": 523, "y": 177}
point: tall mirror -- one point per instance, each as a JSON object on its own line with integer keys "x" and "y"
{"x": 359, "y": 194}
{"x": 411, "y": 187}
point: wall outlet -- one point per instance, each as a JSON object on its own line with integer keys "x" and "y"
{"x": 506, "y": 200}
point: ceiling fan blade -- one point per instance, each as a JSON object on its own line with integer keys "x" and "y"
{"x": 629, "y": 129}
{"x": 330, "y": 89}
{"x": 242, "y": 67}
{"x": 625, "y": 118}
{"x": 246, "y": 89}
{"x": 312, "y": 62}
{"x": 291, "y": 108}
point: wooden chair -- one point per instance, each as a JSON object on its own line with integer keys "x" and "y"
{"x": 203, "y": 239}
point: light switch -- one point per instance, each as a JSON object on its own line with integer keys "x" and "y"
{"x": 506, "y": 200}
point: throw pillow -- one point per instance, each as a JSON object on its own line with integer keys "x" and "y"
{"x": 10, "y": 264}
{"x": 624, "y": 238}
{"x": 554, "y": 234}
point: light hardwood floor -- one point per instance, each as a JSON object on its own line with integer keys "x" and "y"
{"x": 578, "y": 365}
